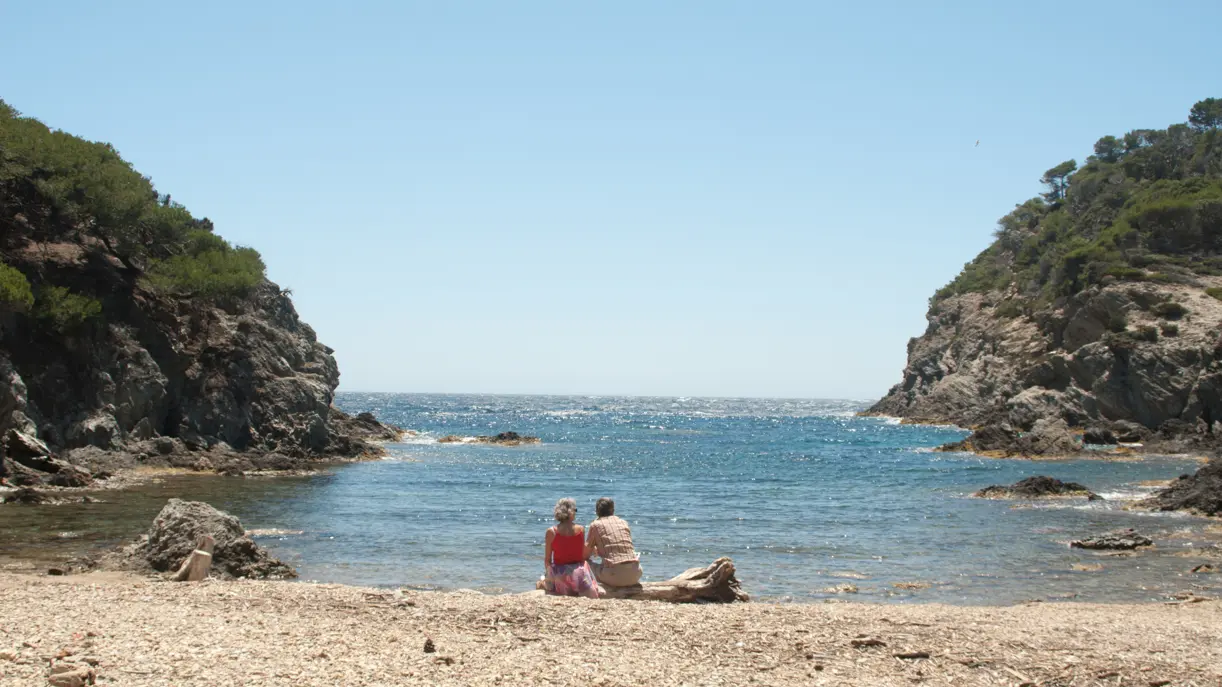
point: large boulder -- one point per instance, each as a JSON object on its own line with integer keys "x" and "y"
{"x": 1040, "y": 486}
{"x": 1200, "y": 492}
{"x": 179, "y": 525}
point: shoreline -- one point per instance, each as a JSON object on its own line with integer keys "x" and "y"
{"x": 244, "y": 632}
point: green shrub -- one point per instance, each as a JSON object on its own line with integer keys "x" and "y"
{"x": 1214, "y": 291}
{"x": 1010, "y": 308}
{"x": 15, "y": 294}
{"x": 1170, "y": 329}
{"x": 212, "y": 274}
{"x": 1146, "y": 333}
{"x": 1118, "y": 323}
{"x": 63, "y": 310}
{"x": 1169, "y": 310}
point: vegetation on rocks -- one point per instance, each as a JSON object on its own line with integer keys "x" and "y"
{"x": 1094, "y": 314}
{"x": 57, "y": 189}
{"x": 131, "y": 333}
{"x": 1146, "y": 206}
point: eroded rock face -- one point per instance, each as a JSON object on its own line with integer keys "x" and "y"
{"x": 249, "y": 379}
{"x": 1040, "y": 486}
{"x": 1200, "y": 492}
{"x": 174, "y": 532}
{"x": 1096, "y": 360}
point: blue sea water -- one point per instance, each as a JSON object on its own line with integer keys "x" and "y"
{"x": 802, "y": 494}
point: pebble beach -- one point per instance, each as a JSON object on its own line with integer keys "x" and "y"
{"x": 123, "y": 629}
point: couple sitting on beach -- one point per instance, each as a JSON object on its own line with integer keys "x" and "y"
{"x": 568, "y": 548}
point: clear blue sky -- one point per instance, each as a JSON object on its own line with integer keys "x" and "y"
{"x": 678, "y": 198}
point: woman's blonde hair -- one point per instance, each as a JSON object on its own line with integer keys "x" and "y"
{"x": 566, "y": 509}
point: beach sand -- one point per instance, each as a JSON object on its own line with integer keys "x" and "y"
{"x": 140, "y": 631}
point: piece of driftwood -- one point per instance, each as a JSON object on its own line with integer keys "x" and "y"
{"x": 715, "y": 583}
{"x": 195, "y": 568}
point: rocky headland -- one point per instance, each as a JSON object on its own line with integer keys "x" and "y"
{"x": 132, "y": 335}
{"x": 1093, "y": 323}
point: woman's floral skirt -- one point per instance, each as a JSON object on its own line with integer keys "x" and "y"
{"x": 572, "y": 579}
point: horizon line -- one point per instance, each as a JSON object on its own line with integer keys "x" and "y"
{"x": 609, "y": 395}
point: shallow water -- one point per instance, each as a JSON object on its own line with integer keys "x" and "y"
{"x": 801, "y": 493}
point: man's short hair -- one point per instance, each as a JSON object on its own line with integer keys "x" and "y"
{"x": 605, "y": 507}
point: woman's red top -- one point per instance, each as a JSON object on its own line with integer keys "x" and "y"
{"x": 568, "y": 549}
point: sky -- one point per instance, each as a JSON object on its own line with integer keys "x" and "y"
{"x": 676, "y": 199}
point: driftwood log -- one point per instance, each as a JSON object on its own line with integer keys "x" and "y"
{"x": 713, "y": 584}
{"x": 195, "y": 568}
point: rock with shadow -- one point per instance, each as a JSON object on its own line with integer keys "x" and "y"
{"x": 1038, "y": 487}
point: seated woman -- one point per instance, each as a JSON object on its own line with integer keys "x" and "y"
{"x": 564, "y": 559}
{"x": 610, "y": 537}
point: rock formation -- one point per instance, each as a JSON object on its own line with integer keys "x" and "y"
{"x": 131, "y": 333}
{"x": 1200, "y": 492}
{"x": 1119, "y": 540}
{"x": 172, "y": 537}
{"x": 502, "y": 439}
{"x": 1040, "y": 486}
{"x": 1098, "y": 306}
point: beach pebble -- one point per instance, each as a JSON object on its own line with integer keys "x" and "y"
{"x": 66, "y": 675}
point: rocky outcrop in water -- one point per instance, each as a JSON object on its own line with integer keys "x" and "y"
{"x": 1118, "y": 540}
{"x": 1200, "y": 492}
{"x": 502, "y": 439}
{"x": 1046, "y": 438}
{"x": 174, "y": 532}
{"x": 1040, "y": 486}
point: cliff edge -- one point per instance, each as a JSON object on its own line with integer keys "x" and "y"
{"x": 130, "y": 333}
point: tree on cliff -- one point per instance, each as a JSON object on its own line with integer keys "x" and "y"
{"x": 1057, "y": 180}
{"x": 1206, "y": 114}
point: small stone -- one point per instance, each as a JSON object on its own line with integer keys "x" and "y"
{"x": 8, "y": 656}
{"x": 55, "y": 571}
{"x": 429, "y": 647}
{"x": 66, "y": 675}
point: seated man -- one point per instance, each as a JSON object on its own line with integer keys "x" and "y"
{"x": 610, "y": 537}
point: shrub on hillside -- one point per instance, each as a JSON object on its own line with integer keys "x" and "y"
{"x": 1215, "y": 292}
{"x": 63, "y": 310}
{"x": 15, "y": 294}
{"x": 216, "y": 271}
{"x": 1170, "y": 310}
{"x": 1170, "y": 329}
{"x": 1146, "y": 333}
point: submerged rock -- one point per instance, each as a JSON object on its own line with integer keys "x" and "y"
{"x": 1118, "y": 540}
{"x": 26, "y": 496}
{"x": 180, "y": 523}
{"x": 1200, "y": 492}
{"x": 1040, "y": 486}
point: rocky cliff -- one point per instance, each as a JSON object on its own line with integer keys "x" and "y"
{"x": 1104, "y": 358}
{"x": 130, "y": 333}
{"x": 1096, "y": 309}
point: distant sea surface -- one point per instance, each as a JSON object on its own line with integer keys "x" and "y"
{"x": 802, "y": 494}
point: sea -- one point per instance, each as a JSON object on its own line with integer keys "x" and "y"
{"x": 813, "y": 503}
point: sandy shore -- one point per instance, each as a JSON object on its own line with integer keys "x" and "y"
{"x": 137, "y": 631}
